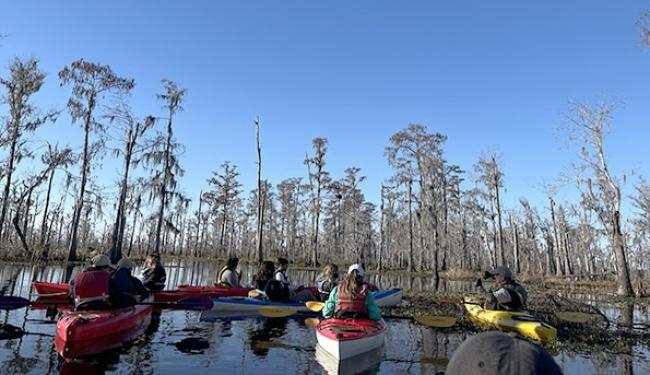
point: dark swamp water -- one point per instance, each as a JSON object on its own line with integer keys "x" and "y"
{"x": 179, "y": 342}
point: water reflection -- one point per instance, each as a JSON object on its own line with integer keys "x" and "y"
{"x": 261, "y": 337}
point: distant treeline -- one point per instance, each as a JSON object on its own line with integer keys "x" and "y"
{"x": 432, "y": 215}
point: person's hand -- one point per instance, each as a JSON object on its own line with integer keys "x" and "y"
{"x": 479, "y": 283}
{"x": 486, "y": 275}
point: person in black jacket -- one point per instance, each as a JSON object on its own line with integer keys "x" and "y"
{"x": 126, "y": 290}
{"x": 153, "y": 275}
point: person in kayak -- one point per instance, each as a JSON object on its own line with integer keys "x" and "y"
{"x": 90, "y": 289}
{"x": 351, "y": 298}
{"x": 327, "y": 280}
{"x": 508, "y": 294}
{"x": 267, "y": 286}
{"x": 126, "y": 290}
{"x": 153, "y": 274}
{"x": 296, "y": 293}
{"x": 229, "y": 276}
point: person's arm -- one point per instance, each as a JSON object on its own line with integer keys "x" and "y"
{"x": 231, "y": 279}
{"x": 330, "y": 304}
{"x": 374, "y": 312}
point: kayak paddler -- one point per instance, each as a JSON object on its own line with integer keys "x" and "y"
{"x": 229, "y": 276}
{"x": 351, "y": 298}
{"x": 153, "y": 274}
{"x": 296, "y": 293}
{"x": 90, "y": 289}
{"x": 267, "y": 286}
{"x": 507, "y": 295}
{"x": 126, "y": 290}
{"x": 327, "y": 280}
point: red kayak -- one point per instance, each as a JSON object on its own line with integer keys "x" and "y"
{"x": 57, "y": 292}
{"x": 81, "y": 333}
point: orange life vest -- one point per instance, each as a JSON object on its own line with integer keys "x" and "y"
{"x": 348, "y": 304}
{"x": 91, "y": 286}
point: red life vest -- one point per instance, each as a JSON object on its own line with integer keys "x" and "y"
{"x": 91, "y": 286}
{"x": 348, "y": 304}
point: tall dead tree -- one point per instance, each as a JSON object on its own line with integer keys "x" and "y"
{"x": 165, "y": 180}
{"x": 90, "y": 82}
{"x": 601, "y": 192}
{"x": 260, "y": 197}
{"x": 491, "y": 176}
{"x": 318, "y": 180}
{"x": 134, "y": 130}
{"x": 25, "y": 79}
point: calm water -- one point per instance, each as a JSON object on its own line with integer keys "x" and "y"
{"x": 192, "y": 342}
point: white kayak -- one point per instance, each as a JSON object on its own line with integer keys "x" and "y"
{"x": 383, "y": 298}
{"x": 347, "y": 338}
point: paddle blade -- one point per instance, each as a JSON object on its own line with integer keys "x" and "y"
{"x": 435, "y": 321}
{"x": 276, "y": 312}
{"x": 312, "y": 322}
{"x": 574, "y": 316}
{"x": 12, "y": 303}
{"x": 197, "y": 304}
{"x": 315, "y": 306}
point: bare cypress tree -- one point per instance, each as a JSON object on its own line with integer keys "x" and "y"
{"x": 90, "y": 81}
{"x": 24, "y": 81}
{"x": 492, "y": 178}
{"x": 134, "y": 131}
{"x": 49, "y": 158}
{"x": 260, "y": 196}
{"x": 166, "y": 155}
{"x": 225, "y": 191}
{"x": 600, "y": 190}
{"x": 318, "y": 180}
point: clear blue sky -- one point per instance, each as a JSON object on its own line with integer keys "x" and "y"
{"x": 493, "y": 76}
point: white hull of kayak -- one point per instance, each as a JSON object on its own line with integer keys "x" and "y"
{"x": 342, "y": 350}
{"x": 383, "y": 298}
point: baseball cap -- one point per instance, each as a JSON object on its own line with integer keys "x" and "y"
{"x": 502, "y": 271}
{"x": 500, "y": 353}
{"x": 101, "y": 260}
{"x": 356, "y": 267}
{"x": 125, "y": 263}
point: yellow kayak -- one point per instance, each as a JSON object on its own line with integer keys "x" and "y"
{"x": 513, "y": 321}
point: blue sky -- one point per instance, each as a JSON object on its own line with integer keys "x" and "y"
{"x": 492, "y": 76}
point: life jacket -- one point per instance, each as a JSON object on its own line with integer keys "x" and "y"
{"x": 325, "y": 287}
{"x": 277, "y": 291}
{"x": 283, "y": 277}
{"x": 518, "y": 296}
{"x": 92, "y": 286}
{"x": 349, "y": 305}
{"x": 220, "y": 282}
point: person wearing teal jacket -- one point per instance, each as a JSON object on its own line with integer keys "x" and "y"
{"x": 352, "y": 298}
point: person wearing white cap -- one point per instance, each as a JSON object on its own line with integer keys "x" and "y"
{"x": 352, "y": 298}
{"x": 126, "y": 290}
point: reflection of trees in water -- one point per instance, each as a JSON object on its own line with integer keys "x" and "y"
{"x": 261, "y": 338}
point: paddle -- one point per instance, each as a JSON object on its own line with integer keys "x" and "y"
{"x": 276, "y": 312}
{"x": 436, "y": 321}
{"x": 199, "y": 304}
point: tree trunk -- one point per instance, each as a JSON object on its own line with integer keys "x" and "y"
{"x": 10, "y": 170}
{"x": 85, "y": 166}
{"x": 45, "y": 210}
{"x": 120, "y": 217}
{"x": 622, "y": 271}
{"x": 410, "y": 203}
{"x": 163, "y": 188}
{"x": 260, "y": 196}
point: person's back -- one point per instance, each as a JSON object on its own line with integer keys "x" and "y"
{"x": 91, "y": 290}
{"x": 126, "y": 290}
{"x": 271, "y": 288}
{"x": 352, "y": 298}
{"x": 228, "y": 275}
{"x": 154, "y": 276}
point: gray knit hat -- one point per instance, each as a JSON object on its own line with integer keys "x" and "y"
{"x": 502, "y": 271}
{"x": 499, "y": 353}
